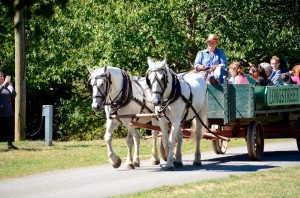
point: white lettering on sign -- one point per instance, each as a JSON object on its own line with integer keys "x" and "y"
{"x": 283, "y": 95}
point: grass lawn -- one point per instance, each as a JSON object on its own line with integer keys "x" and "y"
{"x": 279, "y": 182}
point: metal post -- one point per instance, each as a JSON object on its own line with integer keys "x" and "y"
{"x": 48, "y": 113}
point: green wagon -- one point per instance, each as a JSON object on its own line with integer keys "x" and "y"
{"x": 254, "y": 113}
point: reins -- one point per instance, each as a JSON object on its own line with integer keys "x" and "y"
{"x": 203, "y": 124}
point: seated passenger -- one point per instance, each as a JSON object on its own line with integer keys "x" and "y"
{"x": 274, "y": 76}
{"x": 286, "y": 79}
{"x": 237, "y": 74}
{"x": 275, "y": 63}
{"x": 259, "y": 75}
{"x": 296, "y": 74}
{"x": 211, "y": 62}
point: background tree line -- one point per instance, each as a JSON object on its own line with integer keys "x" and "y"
{"x": 63, "y": 38}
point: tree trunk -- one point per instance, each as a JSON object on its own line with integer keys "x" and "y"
{"x": 20, "y": 74}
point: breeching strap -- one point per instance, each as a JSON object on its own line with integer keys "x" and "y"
{"x": 203, "y": 124}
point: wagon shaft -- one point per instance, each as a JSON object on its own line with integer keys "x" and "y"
{"x": 187, "y": 133}
{"x": 144, "y": 126}
{"x": 146, "y": 115}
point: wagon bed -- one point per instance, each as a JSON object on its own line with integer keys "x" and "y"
{"x": 254, "y": 113}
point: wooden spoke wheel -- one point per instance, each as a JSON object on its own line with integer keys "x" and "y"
{"x": 219, "y": 146}
{"x": 298, "y": 144}
{"x": 255, "y": 140}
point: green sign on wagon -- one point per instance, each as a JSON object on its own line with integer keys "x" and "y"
{"x": 282, "y": 95}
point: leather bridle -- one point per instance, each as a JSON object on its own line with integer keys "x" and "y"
{"x": 107, "y": 82}
{"x": 161, "y": 82}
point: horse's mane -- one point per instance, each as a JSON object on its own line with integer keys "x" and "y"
{"x": 111, "y": 69}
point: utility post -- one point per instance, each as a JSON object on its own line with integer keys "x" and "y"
{"x": 20, "y": 72}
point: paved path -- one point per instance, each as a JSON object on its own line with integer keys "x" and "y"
{"x": 104, "y": 181}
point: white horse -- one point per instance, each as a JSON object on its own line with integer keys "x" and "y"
{"x": 117, "y": 93}
{"x": 177, "y": 99}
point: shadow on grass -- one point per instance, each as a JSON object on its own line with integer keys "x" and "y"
{"x": 30, "y": 149}
{"x": 20, "y": 149}
{"x": 77, "y": 146}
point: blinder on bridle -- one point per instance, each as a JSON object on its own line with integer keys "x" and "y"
{"x": 106, "y": 78}
{"x": 164, "y": 80}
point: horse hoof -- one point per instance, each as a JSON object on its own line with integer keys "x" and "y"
{"x": 136, "y": 164}
{"x": 129, "y": 166}
{"x": 168, "y": 168}
{"x": 117, "y": 164}
{"x": 197, "y": 163}
{"x": 178, "y": 164}
{"x": 155, "y": 162}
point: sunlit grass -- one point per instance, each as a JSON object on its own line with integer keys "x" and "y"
{"x": 280, "y": 182}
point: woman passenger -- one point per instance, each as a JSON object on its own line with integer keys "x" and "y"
{"x": 259, "y": 75}
{"x": 296, "y": 72}
{"x": 286, "y": 79}
{"x": 236, "y": 72}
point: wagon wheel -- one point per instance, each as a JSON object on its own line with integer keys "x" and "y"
{"x": 298, "y": 144}
{"x": 255, "y": 140}
{"x": 219, "y": 146}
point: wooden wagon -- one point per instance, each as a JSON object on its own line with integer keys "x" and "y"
{"x": 254, "y": 113}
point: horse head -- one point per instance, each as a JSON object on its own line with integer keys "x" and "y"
{"x": 99, "y": 82}
{"x": 157, "y": 79}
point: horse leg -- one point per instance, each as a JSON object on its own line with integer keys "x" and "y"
{"x": 198, "y": 134}
{"x": 197, "y": 127}
{"x": 154, "y": 160}
{"x": 178, "y": 156}
{"x": 129, "y": 141}
{"x": 132, "y": 138}
{"x": 136, "y": 140}
{"x": 171, "y": 142}
{"x": 114, "y": 160}
{"x": 163, "y": 123}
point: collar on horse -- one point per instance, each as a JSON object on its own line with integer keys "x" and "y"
{"x": 125, "y": 92}
{"x": 176, "y": 89}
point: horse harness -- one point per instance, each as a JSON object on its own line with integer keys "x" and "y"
{"x": 175, "y": 92}
{"x": 125, "y": 92}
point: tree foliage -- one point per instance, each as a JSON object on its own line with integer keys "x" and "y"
{"x": 63, "y": 37}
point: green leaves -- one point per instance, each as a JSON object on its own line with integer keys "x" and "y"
{"x": 123, "y": 33}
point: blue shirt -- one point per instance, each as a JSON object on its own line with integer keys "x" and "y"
{"x": 205, "y": 58}
{"x": 275, "y": 78}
